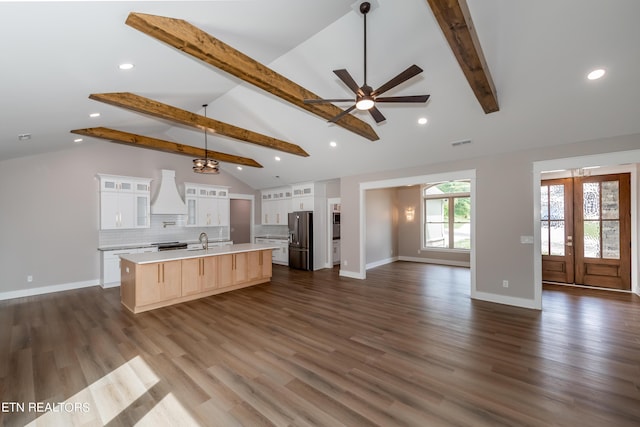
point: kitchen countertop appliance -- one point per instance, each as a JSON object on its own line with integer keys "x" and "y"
{"x": 301, "y": 240}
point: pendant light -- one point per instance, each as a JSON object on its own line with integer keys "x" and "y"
{"x": 206, "y": 165}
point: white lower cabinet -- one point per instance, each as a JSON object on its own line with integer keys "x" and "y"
{"x": 279, "y": 255}
{"x": 110, "y": 265}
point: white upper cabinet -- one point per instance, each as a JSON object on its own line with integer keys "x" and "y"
{"x": 303, "y": 197}
{"x": 276, "y": 204}
{"x": 124, "y": 202}
{"x": 207, "y": 206}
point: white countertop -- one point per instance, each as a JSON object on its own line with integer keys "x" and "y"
{"x": 162, "y": 256}
{"x": 150, "y": 245}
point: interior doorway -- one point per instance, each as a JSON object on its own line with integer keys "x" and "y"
{"x": 585, "y": 229}
{"x": 241, "y": 220}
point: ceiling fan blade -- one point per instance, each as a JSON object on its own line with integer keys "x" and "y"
{"x": 412, "y": 71}
{"x": 376, "y": 114}
{"x": 413, "y": 98}
{"x": 322, "y": 101}
{"x": 341, "y": 115}
{"x": 348, "y": 80}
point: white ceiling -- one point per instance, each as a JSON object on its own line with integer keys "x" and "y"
{"x": 54, "y": 54}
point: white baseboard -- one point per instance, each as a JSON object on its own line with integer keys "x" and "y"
{"x": 435, "y": 261}
{"x": 48, "y": 289}
{"x": 381, "y": 262}
{"x": 110, "y": 285}
{"x": 352, "y": 274}
{"x": 502, "y": 299}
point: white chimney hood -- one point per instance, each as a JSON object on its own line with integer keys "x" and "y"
{"x": 168, "y": 200}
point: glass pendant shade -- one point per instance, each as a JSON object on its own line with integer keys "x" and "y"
{"x": 206, "y": 165}
{"x": 209, "y": 166}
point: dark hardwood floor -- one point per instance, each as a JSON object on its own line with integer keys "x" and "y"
{"x": 406, "y": 347}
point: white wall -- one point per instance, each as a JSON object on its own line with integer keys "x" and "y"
{"x": 49, "y": 216}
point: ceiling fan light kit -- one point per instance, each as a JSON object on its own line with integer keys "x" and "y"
{"x": 366, "y": 97}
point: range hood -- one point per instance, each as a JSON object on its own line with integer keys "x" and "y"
{"x": 168, "y": 200}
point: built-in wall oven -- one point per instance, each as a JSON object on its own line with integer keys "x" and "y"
{"x": 336, "y": 225}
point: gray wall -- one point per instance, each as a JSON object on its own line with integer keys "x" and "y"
{"x": 381, "y": 225}
{"x": 49, "y": 216}
{"x": 503, "y": 211}
{"x": 409, "y": 232}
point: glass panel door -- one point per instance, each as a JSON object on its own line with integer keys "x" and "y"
{"x": 556, "y": 230}
{"x": 603, "y": 238}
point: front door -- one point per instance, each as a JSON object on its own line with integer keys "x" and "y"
{"x": 586, "y": 231}
{"x": 603, "y": 231}
{"x": 556, "y": 200}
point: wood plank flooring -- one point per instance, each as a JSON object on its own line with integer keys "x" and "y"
{"x": 406, "y": 347}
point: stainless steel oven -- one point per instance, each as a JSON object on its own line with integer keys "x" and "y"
{"x": 336, "y": 225}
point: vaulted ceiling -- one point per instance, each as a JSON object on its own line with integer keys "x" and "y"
{"x": 536, "y": 55}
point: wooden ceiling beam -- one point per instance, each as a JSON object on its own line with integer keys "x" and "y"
{"x": 191, "y": 40}
{"x": 454, "y": 19}
{"x": 135, "y": 140}
{"x": 157, "y": 109}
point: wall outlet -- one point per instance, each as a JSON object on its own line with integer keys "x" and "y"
{"x": 29, "y": 278}
{"x": 345, "y": 263}
{"x": 505, "y": 283}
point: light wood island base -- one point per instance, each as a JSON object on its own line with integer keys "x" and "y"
{"x": 150, "y": 281}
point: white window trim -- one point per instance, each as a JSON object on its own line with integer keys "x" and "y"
{"x": 424, "y": 197}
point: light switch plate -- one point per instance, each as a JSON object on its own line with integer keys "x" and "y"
{"x": 526, "y": 240}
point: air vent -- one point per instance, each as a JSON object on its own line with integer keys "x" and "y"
{"x": 24, "y": 137}
{"x": 463, "y": 142}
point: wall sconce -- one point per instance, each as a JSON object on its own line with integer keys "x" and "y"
{"x": 409, "y": 213}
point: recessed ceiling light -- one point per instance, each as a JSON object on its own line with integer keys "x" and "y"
{"x": 277, "y": 159}
{"x": 333, "y": 144}
{"x": 596, "y": 74}
{"x": 422, "y": 121}
{"x": 126, "y": 66}
{"x": 239, "y": 168}
{"x": 77, "y": 140}
{"x": 94, "y": 115}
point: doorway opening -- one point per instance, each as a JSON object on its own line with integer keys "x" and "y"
{"x": 469, "y": 175}
{"x": 622, "y": 161}
{"x": 241, "y": 218}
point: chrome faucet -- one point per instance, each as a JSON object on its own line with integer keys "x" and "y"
{"x": 205, "y": 245}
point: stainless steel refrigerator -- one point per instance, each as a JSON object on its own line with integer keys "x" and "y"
{"x": 301, "y": 240}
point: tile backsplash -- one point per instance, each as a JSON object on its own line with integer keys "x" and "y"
{"x": 271, "y": 230}
{"x": 164, "y": 228}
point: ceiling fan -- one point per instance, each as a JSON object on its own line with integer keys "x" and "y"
{"x": 366, "y": 97}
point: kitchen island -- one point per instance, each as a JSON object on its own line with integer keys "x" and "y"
{"x": 158, "y": 279}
